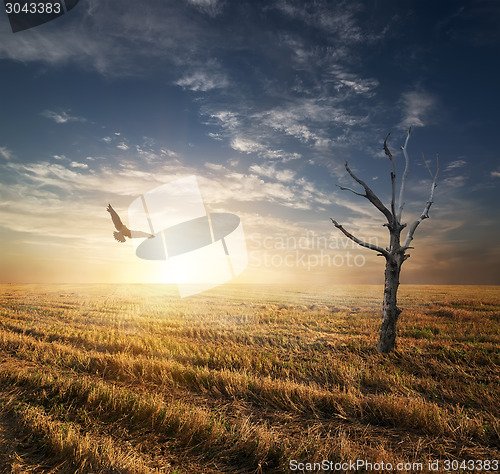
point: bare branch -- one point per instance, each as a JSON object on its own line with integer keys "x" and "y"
{"x": 349, "y": 189}
{"x": 381, "y": 251}
{"x": 393, "y": 177}
{"x": 371, "y": 196}
{"x": 387, "y": 152}
{"x": 405, "y": 176}
{"x": 393, "y": 195}
{"x": 425, "y": 212}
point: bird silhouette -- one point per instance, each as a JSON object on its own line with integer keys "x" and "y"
{"x": 123, "y": 230}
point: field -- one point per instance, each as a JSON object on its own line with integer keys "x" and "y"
{"x": 132, "y": 379}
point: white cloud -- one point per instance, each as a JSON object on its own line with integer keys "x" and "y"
{"x": 214, "y": 166}
{"x": 495, "y": 174}
{"x": 225, "y": 186}
{"x": 227, "y": 119}
{"x": 85, "y": 38}
{"x": 352, "y": 82}
{"x": 456, "y": 164}
{"x": 125, "y": 180}
{"x": 210, "y": 7}
{"x": 280, "y": 155}
{"x": 417, "y": 105}
{"x": 215, "y": 136}
{"x": 455, "y": 181}
{"x": 6, "y": 153}
{"x": 232, "y": 185}
{"x": 270, "y": 171}
{"x": 203, "y": 81}
{"x": 246, "y": 132}
{"x": 361, "y": 86}
{"x": 308, "y": 119}
{"x": 123, "y": 146}
{"x": 62, "y": 117}
{"x": 288, "y": 121}
{"x": 76, "y": 164}
{"x": 169, "y": 153}
{"x": 125, "y": 41}
{"x": 246, "y": 146}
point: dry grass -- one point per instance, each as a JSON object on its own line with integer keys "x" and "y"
{"x": 132, "y": 379}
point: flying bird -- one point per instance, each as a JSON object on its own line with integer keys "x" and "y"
{"x": 123, "y": 230}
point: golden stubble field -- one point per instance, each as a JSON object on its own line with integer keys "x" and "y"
{"x": 132, "y": 379}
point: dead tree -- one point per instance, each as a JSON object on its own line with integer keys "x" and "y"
{"x": 395, "y": 253}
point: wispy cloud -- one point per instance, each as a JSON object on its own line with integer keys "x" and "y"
{"x": 202, "y": 81}
{"x": 334, "y": 19}
{"x": 6, "y": 153}
{"x": 215, "y": 136}
{"x": 246, "y": 146}
{"x": 230, "y": 186}
{"x": 227, "y": 119}
{"x": 76, "y": 164}
{"x": 311, "y": 108}
{"x": 455, "y": 181}
{"x": 113, "y": 41}
{"x": 307, "y": 120}
{"x": 210, "y": 7}
{"x": 456, "y": 164}
{"x": 205, "y": 77}
{"x": 270, "y": 171}
{"x": 416, "y": 106}
{"x": 347, "y": 81}
{"x": 62, "y": 116}
{"x": 495, "y": 174}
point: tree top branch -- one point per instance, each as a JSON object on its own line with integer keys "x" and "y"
{"x": 425, "y": 212}
{"x": 405, "y": 176}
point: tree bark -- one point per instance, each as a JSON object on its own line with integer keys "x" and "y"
{"x": 391, "y": 311}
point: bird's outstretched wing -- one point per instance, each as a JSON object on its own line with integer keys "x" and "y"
{"x": 122, "y": 229}
{"x": 116, "y": 218}
{"x": 119, "y": 237}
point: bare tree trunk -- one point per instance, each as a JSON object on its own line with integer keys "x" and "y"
{"x": 391, "y": 311}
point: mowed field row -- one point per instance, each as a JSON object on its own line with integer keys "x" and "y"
{"x": 130, "y": 378}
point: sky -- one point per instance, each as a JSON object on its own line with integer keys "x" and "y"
{"x": 264, "y": 102}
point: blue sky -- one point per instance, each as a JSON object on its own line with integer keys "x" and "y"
{"x": 263, "y": 101}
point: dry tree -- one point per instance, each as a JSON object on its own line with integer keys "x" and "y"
{"x": 395, "y": 253}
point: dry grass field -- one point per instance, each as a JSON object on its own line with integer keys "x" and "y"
{"x": 132, "y": 379}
